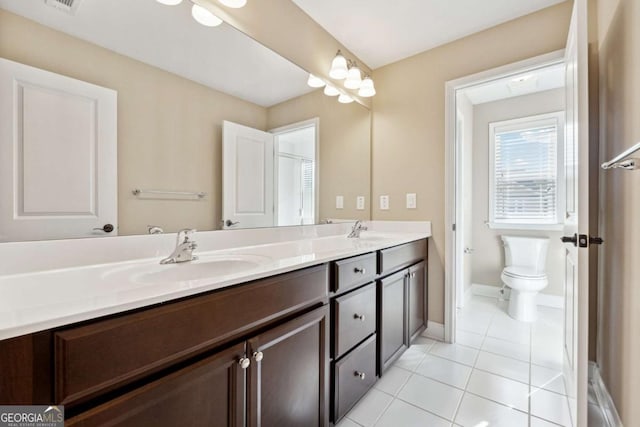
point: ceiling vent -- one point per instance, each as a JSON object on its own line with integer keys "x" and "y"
{"x": 67, "y": 6}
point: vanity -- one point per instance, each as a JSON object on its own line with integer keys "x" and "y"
{"x": 295, "y": 348}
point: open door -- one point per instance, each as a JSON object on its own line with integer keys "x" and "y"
{"x": 247, "y": 177}
{"x": 576, "y": 332}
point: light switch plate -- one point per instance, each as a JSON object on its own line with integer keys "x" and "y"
{"x": 384, "y": 203}
{"x": 412, "y": 201}
{"x": 360, "y": 203}
{"x": 339, "y": 202}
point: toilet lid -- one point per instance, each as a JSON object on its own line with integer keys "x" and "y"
{"x": 524, "y": 272}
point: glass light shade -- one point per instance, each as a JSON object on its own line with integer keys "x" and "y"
{"x": 170, "y": 2}
{"x": 315, "y": 81}
{"x": 204, "y": 17}
{"x": 331, "y": 91}
{"x": 367, "y": 89}
{"x": 345, "y": 99}
{"x": 339, "y": 68}
{"x": 236, "y": 4}
{"x": 354, "y": 78}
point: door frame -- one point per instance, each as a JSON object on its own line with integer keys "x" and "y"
{"x": 453, "y": 251}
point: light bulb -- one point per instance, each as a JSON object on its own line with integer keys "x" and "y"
{"x": 204, "y": 16}
{"x": 354, "y": 78}
{"x": 331, "y": 91}
{"x": 339, "y": 68}
{"x": 367, "y": 89}
{"x": 236, "y": 4}
{"x": 345, "y": 99}
{"x": 170, "y": 2}
{"x": 315, "y": 81}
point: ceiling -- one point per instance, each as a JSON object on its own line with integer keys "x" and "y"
{"x": 168, "y": 38}
{"x": 380, "y": 32}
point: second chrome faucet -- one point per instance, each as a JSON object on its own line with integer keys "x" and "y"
{"x": 185, "y": 245}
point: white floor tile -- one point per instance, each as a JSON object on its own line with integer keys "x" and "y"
{"x": 444, "y": 370}
{"x": 507, "y": 348}
{"x": 393, "y": 380}
{"x": 499, "y": 389}
{"x": 457, "y": 353}
{"x": 508, "y": 329}
{"x": 423, "y": 344}
{"x": 475, "y": 411}
{"x": 539, "y": 422}
{"x": 370, "y": 408}
{"x": 503, "y": 366}
{"x": 550, "y": 406}
{"x": 346, "y": 422}
{"x": 469, "y": 339}
{"x": 549, "y": 356}
{"x": 410, "y": 359}
{"x": 403, "y": 414}
{"x": 432, "y": 396}
{"x": 477, "y": 323}
{"x": 549, "y": 379}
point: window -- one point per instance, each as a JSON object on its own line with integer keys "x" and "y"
{"x": 526, "y": 183}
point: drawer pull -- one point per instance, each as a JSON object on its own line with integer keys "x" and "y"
{"x": 360, "y": 375}
{"x": 359, "y": 270}
{"x": 258, "y": 356}
{"x": 360, "y": 317}
{"x": 244, "y": 362}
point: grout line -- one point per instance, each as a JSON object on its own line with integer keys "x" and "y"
{"x": 425, "y": 410}
{"x": 495, "y": 401}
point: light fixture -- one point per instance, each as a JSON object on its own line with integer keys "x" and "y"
{"x": 204, "y": 16}
{"x": 170, "y": 2}
{"x": 315, "y": 81}
{"x": 331, "y": 91}
{"x": 236, "y": 4}
{"x": 367, "y": 89}
{"x": 339, "y": 68}
{"x": 345, "y": 99}
{"x": 354, "y": 77}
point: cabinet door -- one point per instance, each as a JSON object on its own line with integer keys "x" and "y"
{"x": 288, "y": 382}
{"x": 392, "y": 330}
{"x": 417, "y": 279}
{"x": 207, "y": 393}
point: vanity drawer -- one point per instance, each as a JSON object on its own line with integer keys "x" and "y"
{"x": 354, "y": 375}
{"x": 354, "y": 318}
{"x": 401, "y": 256}
{"x": 354, "y": 271}
{"x": 101, "y": 356}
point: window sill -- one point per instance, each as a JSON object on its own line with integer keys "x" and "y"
{"x": 538, "y": 227}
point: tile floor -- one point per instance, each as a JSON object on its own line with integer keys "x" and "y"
{"x": 501, "y": 372}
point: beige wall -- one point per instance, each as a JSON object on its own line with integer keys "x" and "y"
{"x": 619, "y": 289}
{"x": 345, "y": 146}
{"x": 488, "y": 258}
{"x": 408, "y": 120}
{"x": 169, "y": 128}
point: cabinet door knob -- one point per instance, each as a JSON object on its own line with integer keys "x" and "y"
{"x": 360, "y": 375}
{"x": 258, "y": 356}
{"x": 244, "y": 362}
{"x": 359, "y": 270}
{"x": 359, "y": 317}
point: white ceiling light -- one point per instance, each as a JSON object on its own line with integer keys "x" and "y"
{"x": 331, "y": 91}
{"x": 315, "y": 81}
{"x": 367, "y": 89}
{"x": 345, "y": 99}
{"x": 354, "y": 78}
{"x": 236, "y": 4}
{"x": 339, "y": 68}
{"x": 204, "y": 16}
{"x": 170, "y": 2}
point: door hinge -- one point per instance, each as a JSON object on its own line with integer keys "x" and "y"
{"x": 595, "y": 240}
{"x": 453, "y": 227}
{"x": 585, "y": 241}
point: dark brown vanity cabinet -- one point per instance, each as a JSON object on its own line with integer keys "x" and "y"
{"x": 417, "y": 299}
{"x": 392, "y": 323}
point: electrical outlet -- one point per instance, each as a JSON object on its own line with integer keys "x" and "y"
{"x": 339, "y": 202}
{"x": 360, "y": 203}
{"x": 384, "y": 203}
{"x": 412, "y": 201}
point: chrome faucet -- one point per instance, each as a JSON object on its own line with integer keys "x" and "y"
{"x": 184, "y": 248}
{"x": 358, "y": 227}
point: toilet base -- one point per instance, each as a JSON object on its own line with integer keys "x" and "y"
{"x": 523, "y": 306}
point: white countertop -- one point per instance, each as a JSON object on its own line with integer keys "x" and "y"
{"x": 39, "y": 300}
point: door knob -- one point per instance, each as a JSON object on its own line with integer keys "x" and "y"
{"x": 244, "y": 362}
{"x": 107, "y": 228}
{"x": 570, "y": 239}
{"x": 258, "y": 356}
{"x": 230, "y": 223}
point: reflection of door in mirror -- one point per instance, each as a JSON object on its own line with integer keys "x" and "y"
{"x": 58, "y": 171}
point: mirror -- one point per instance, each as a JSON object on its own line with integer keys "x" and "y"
{"x": 171, "y": 84}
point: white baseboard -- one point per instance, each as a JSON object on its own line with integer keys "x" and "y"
{"x": 545, "y": 300}
{"x": 604, "y": 400}
{"x": 434, "y": 330}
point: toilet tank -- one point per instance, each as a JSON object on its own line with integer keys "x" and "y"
{"x": 528, "y": 252}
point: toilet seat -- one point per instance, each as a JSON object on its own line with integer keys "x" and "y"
{"x": 518, "y": 272}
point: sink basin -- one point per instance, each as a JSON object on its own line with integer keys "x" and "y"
{"x": 374, "y": 237}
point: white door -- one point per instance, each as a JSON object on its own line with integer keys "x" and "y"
{"x": 58, "y": 156}
{"x": 247, "y": 177}
{"x": 577, "y": 216}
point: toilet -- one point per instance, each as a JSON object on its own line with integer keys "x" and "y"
{"x": 525, "y": 273}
